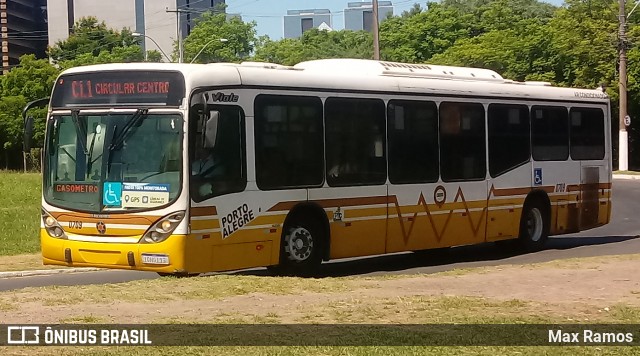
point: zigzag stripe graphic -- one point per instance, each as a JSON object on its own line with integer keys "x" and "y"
{"x": 438, "y": 234}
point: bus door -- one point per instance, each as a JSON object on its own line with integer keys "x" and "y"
{"x": 588, "y": 146}
{"x": 509, "y": 142}
{"x": 355, "y": 193}
{"x": 553, "y": 170}
{"x": 437, "y": 171}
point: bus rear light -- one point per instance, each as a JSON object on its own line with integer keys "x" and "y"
{"x": 163, "y": 228}
{"x": 52, "y": 226}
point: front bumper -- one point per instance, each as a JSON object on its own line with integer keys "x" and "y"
{"x": 115, "y": 255}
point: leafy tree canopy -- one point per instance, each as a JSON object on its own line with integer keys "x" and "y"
{"x": 92, "y": 42}
{"x": 204, "y": 39}
{"x": 317, "y": 44}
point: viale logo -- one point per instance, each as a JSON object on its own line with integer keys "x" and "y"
{"x": 220, "y": 97}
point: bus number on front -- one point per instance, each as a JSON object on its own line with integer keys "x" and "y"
{"x": 561, "y": 188}
{"x": 75, "y": 225}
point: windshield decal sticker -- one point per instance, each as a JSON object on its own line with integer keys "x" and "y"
{"x": 144, "y": 195}
{"x": 112, "y": 194}
{"x": 76, "y": 188}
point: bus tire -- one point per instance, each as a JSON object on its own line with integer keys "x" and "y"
{"x": 534, "y": 225}
{"x": 301, "y": 248}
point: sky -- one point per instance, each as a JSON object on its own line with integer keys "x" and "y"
{"x": 269, "y": 13}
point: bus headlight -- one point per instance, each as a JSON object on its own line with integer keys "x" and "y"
{"x": 52, "y": 226}
{"x": 163, "y": 228}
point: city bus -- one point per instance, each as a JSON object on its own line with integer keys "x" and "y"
{"x": 183, "y": 169}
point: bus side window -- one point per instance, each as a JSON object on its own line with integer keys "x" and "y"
{"x": 289, "y": 143}
{"x": 413, "y": 141}
{"x": 587, "y": 134}
{"x": 355, "y": 132}
{"x": 550, "y": 133}
{"x": 509, "y": 137}
{"x": 462, "y": 141}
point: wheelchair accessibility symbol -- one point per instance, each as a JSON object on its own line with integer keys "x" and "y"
{"x": 112, "y": 194}
{"x": 537, "y": 176}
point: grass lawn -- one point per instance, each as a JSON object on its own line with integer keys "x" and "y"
{"x": 262, "y": 303}
{"x": 633, "y": 173}
{"x": 19, "y": 212}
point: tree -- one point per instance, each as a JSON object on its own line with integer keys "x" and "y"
{"x": 31, "y": 79}
{"x": 317, "y": 44}
{"x": 92, "y": 42}
{"x": 518, "y": 54}
{"x": 11, "y": 126}
{"x": 209, "y": 28}
{"x": 583, "y": 40}
{"x": 490, "y": 15}
{"x": 417, "y": 36}
{"x": 287, "y": 51}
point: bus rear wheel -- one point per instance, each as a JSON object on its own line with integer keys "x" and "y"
{"x": 534, "y": 226}
{"x": 301, "y": 249}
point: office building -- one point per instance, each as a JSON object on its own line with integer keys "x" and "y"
{"x": 298, "y": 21}
{"x": 359, "y": 15}
{"x": 23, "y": 30}
{"x": 149, "y": 17}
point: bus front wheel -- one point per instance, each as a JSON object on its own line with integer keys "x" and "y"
{"x": 301, "y": 250}
{"x": 534, "y": 226}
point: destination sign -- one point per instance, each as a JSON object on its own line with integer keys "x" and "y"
{"x": 119, "y": 87}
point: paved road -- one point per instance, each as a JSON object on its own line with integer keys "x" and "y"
{"x": 621, "y": 236}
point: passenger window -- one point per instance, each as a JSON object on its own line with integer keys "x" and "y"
{"x": 462, "y": 141}
{"x": 355, "y": 141}
{"x": 549, "y": 133}
{"x": 413, "y": 141}
{"x": 289, "y": 141}
{"x": 587, "y": 134}
{"x": 509, "y": 137}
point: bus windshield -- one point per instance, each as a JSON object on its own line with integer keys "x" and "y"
{"x": 113, "y": 162}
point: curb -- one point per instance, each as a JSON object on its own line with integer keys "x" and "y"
{"x": 626, "y": 176}
{"x": 45, "y": 272}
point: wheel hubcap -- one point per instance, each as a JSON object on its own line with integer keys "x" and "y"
{"x": 534, "y": 224}
{"x": 298, "y": 244}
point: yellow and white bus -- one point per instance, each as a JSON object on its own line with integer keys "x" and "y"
{"x": 190, "y": 168}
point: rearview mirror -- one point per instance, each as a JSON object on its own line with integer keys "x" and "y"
{"x": 211, "y": 130}
{"x": 28, "y": 134}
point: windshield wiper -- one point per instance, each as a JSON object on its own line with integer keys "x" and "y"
{"x": 91, "y": 161}
{"x": 79, "y": 132}
{"x": 135, "y": 120}
{"x": 118, "y": 140}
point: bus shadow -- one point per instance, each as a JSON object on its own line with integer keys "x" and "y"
{"x": 487, "y": 254}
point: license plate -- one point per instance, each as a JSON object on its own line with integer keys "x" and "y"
{"x": 155, "y": 259}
